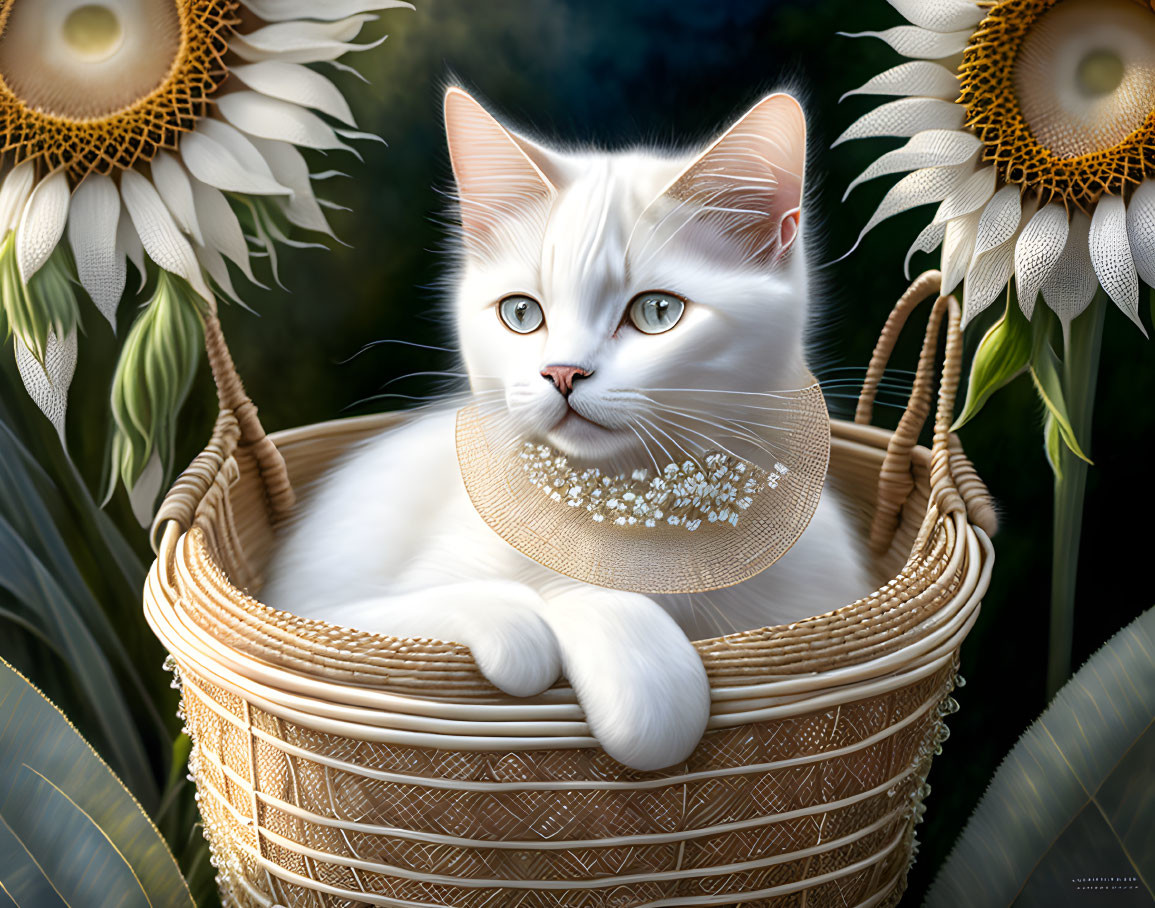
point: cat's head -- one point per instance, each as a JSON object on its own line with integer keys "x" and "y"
{"x": 631, "y": 306}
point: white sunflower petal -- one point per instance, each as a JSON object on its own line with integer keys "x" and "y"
{"x": 986, "y": 279}
{"x": 918, "y": 78}
{"x": 290, "y": 168}
{"x": 905, "y": 117}
{"x": 302, "y": 42}
{"x": 1141, "y": 230}
{"x": 927, "y": 241}
{"x": 92, "y": 227}
{"x": 281, "y": 10}
{"x": 222, "y": 229}
{"x": 14, "y": 194}
{"x": 48, "y": 384}
{"x": 359, "y": 134}
{"x": 158, "y": 233}
{"x": 1037, "y": 250}
{"x": 999, "y": 221}
{"x": 940, "y": 15}
{"x": 128, "y": 244}
{"x": 957, "y": 248}
{"x": 173, "y": 184}
{"x": 932, "y": 148}
{"x": 211, "y": 162}
{"x": 270, "y": 118}
{"x": 42, "y": 223}
{"x": 297, "y": 84}
{"x": 346, "y": 68}
{"x": 993, "y": 260}
{"x": 1111, "y": 256}
{"x": 919, "y": 188}
{"x": 919, "y": 43}
{"x": 243, "y": 149}
{"x": 970, "y": 195}
{"x": 1071, "y": 285}
{"x": 214, "y": 265}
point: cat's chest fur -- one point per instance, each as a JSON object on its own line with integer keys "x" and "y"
{"x": 394, "y": 518}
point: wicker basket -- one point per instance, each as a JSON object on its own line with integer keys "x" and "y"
{"x": 336, "y": 767}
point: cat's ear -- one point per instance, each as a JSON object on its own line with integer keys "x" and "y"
{"x": 497, "y": 176}
{"x": 748, "y": 183}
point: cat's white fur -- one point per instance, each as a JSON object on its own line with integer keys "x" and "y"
{"x": 389, "y": 541}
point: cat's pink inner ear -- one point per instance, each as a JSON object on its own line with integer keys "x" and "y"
{"x": 496, "y": 179}
{"x": 748, "y": 183}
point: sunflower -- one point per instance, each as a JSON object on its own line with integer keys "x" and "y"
{"x": 1032, "y": 124}
{"x": 165, "y": 133}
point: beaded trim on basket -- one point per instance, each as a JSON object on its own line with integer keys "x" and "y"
{"x": 716, "y": 490}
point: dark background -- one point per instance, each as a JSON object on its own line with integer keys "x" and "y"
{"x": 629, "y": 71}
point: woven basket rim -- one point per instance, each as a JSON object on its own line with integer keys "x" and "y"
{"x": 430, "y": 714}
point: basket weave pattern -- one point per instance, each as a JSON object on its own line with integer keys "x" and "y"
{"x": 336, "y": 767}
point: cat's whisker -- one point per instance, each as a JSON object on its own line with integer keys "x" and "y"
{"x": 669, "y": 458}
{"x": 863, "y": 369}
{"x": 711, "y": 442}
{"x": 677, "y": 444}
{"x": 738, "y": 433}
{"x": 646, "y": 448}
{"x": 462, "y": 397}
{"x": 405, "y": 343}
{"x": 794, "y": 409}
{"x": 736, "y": 422}
{"x": 782, "y": 394}
{"x": 439, "y": 373}
{"x": 722, "y": 624}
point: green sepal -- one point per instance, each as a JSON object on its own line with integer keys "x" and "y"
{"x": 1001, "y": 356}
{"x": 1045, "y": 367}
{"x": 47, "y": 303}
{"x": 153, "y": 376}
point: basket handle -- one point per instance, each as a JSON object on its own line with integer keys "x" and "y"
{"x": 238, "y": 433}
{"x": 895, "y": 481}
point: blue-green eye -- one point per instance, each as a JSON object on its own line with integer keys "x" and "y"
{"x": 653, "y": 312}
{"x": 521, "y": 314}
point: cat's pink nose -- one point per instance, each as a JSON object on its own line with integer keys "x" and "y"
{"x": 563, "y": 377}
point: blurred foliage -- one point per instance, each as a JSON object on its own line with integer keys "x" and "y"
{"x": 609, "y": 72}
{"x": 1075, "y": 799}
{"x": 70, "y": 832}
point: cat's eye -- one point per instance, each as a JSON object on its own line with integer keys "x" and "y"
{"x": 521, "y": 313}
{"x": 653, "y": 312}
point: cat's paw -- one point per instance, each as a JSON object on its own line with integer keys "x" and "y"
{"x": 497, "y": 619}
{"x": 640, "y": 681}
{"x": 514, "y": 648}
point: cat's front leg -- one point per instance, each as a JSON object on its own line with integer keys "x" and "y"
{"x": 640, "y": 681}
{"x": 499, "y": 620}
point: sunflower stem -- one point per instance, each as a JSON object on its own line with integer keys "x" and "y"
{"x": 1082, "y": 342}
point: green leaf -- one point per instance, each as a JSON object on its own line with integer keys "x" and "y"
{"x": 1001, "y": 356}
{"x": 71, "y": 816}
{"x": 1075, "y": 797}
{"x": 153, "y": 375}
{"x": 34, "y": 586}
{"x": 1045, "y": 370}
{"x": 50, "y": 592}
{"x": 19, "y": 873}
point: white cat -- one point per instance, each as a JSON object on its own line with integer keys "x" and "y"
{"x": 589, "y": 282}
